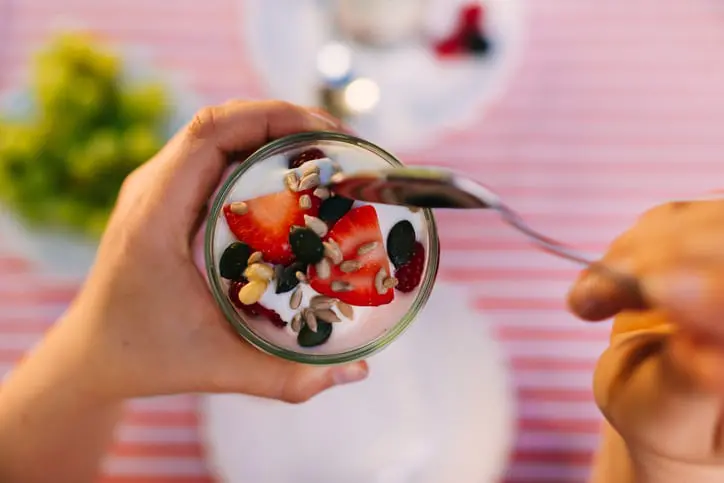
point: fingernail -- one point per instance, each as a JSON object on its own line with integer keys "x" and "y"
{"x": 349, "y": 374}
{"x": 595, "y": 297}
{"x": 325, "y": 118}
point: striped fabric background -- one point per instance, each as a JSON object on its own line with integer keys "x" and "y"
{"x": 617, "y": 105}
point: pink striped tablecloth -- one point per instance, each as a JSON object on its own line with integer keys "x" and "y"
{"x": 616, "y": 105}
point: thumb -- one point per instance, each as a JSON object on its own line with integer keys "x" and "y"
{"x": 302, "y": 382}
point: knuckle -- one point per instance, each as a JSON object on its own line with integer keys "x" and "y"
{"x": 661, "y": 211}
{"x": 203, "y": 124}
{"x": 128, "y": 184}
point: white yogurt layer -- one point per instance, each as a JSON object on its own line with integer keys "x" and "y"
{"x": 368, "y": 323}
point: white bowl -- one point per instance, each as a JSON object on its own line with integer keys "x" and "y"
{"x": 61, "y": 252}
{"x": 421, "y": 96}
{"x": 437, "y": 408}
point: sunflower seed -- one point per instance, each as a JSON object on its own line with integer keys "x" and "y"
{"x": 291, "y": 181}
{"x": 350, "y": 266}
{"x": 310, "y": 320}
{"x": 333, "y": 252}
{"x": 311, "y": 169}
{"x": 255, "y": 257}
{"x": 301, "y": 277}
{"x": 322, "y": 302}
{"x": 305, "y": 202}
{"x": 297, "y": 322}
{"x": 341, "y": 286}
{"x": 252, "y": 292}
{"x": 321, "y": 193}
{"x": 390, "y": 282}
{"x": 379, "y": 279}
{"x": 260, "y": 272}
{"x": 327, "y": 315}
{"x": 324, "y": 270}
{"x": 366, "y": 248}
{"x": 296, "y": 299}
{"x": 309, "y": 181}
{"x": 239, "y": 208}
{"x": 316, "y": 225}
{"x": 345, "y": 309}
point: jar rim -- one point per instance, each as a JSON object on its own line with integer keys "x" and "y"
{"x": 237, "y": 320}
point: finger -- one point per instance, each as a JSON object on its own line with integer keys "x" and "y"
{"x": 201, "y": 152}
{"x": 250, "y": 371}
{"x": 692, "y": 298}
{"x": 276, "y": 378}
{"x": 597, "y": 295}
{"x": 651, "y": 400}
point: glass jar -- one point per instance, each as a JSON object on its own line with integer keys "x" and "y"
{"x": 372, "y": 328}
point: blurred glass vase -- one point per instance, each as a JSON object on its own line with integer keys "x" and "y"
{"x": 380, "y": 23}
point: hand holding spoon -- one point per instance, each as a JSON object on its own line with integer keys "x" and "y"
{"x": 441, "y": 188}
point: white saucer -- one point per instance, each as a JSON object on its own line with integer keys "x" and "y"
{"x": 420, "y": 94}
{"x": 436, "y": 408}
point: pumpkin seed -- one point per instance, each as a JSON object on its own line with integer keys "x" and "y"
{"x": 308, "y": 338}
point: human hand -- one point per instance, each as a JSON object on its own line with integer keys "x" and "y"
{"x": 145, "y": 322}
{"x": 660, "y": 384}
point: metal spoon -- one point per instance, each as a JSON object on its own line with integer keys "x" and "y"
{"x": 441, "y": 188}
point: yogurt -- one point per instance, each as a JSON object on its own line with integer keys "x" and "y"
{"x": 367, "y": 323}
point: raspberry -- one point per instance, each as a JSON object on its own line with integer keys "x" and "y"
{"x": 254, "y": 310}
{"x": 409, "y": 275}
{"x": 305, "y": 156}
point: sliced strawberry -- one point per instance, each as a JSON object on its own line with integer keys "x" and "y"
{"x": 265, "y": 227}
{"x": 358, "y": 227}
{"x": 409, "y": 275}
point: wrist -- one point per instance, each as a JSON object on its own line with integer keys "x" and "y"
{"x": 68, "y": 358}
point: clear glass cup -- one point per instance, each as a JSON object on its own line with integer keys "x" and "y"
{"x": 374, "y": 327}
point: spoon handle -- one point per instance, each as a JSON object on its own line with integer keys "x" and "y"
{"x": 629, "y": 284}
